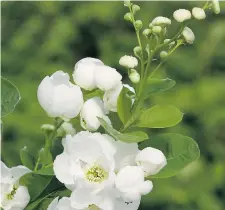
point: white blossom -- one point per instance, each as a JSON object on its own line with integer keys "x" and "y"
{"x": 63, "y": 204}
{"x": 151, "y": 160}
{"x": 216, "y": 6}
{"x": 198, "y": 13}
{"x": 129, "y": 62}
{"x": 110, "y": 96}
{"x": 66, "y": 128}
{"x": 91, "y": 73}
{"x": 161, "y": 21}
{"x": 59, "y": 97}
{"x": 92, "y": 109}
{"x": 131, "y": 184}
{"x": 181, "y": 15}
{"x": 120, "y": 204}
{"x": 13, "y": 196}
{"x": 188, "y": 35}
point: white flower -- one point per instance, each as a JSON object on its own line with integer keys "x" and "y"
{"x": 161, "y": 21}
{"x": 92, "y": 109}
{"x": 181, "y": 15}
{"x": 188, "y": 35}
{"x": 216, "y": 6}
{"x": 87, "y": 161}
{"x": 120, "y": 204}
{"x": 58, "y": 97}
{"x": 129, "y": 62}
{"x": 151, "y": 160}
{"x": 66, "y": 128}
{"x": 91, "y": 73}
{"x": 13, "y": 196}
{"x": 131, "y": 184}
{"x": 62, "y": 204}
{"x": 198, "y": 13}
{"x": 110, "y": 97}
{"x": 125, "y": 154}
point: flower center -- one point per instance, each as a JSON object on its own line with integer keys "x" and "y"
{"x": 93, "y": 207}
{"x": 10, "y": 195}
{"x": 96, "y": 174}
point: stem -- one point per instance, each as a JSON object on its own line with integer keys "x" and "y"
{"x": 37, "y": 163}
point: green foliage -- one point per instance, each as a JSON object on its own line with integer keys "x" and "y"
{"x": 135, "y": 136}
{"x": 27, "y": 158}
{"x": 160, "y": 116}
{"x": 124, "y": 104}
{"x": 10, "y": 96}
{"x": 179, "y": 150}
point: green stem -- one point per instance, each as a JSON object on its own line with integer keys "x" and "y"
{"x": 37, "y": 163}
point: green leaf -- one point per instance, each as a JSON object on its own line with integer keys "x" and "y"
{"x": 27, "y": 159}
{"x": 158, "y": 85}
{"x": 179, "y": 151}
{"x": 48, "y": 170}
{"x": 160, "y": 116}
{"x": 35, "y": 183}
{"x": 10, "y": 96}
{"x": 94, "y": 93}
{"x": 124, "y": 104}
{"x": 132, "y": 137}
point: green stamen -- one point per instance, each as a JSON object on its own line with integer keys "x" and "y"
{"x": 10, "y": 195}
{"x": 96, "y": 174}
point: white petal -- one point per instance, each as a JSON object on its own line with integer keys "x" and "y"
{"x": 107, "y": 78}
{"x": 181, "y": 15}
{"x": 63, "y": 168}
{"x": 19, "y": 171}
{"x": 161, "y": 21}
{"x": 84, "y": 72}
{"x": 151, "y": 160}
{"x": 91, "y": 110}
{"x": 198, "y": 13}
{"x": 120, "y": 204}
{"x": 65, "y": 204}
{"x": 129, "y": 62}
{"x": 53, "y": 205}
{"x": 188, "y": 35}
{"x": 66, "y": 128}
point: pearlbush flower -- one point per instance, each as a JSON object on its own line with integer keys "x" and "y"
{"x": 198, "y": 13}
{"x": 62, "y": 204}
{"x": 91, "y": 73}
{"x": 161, "y": 21}
{"x": 13, "y": 196}
{"x": 216, "y": 6}
{"x": 129, "y": 62}
{"x": 151, "y": 160}
{"x": 130, "y": 183}
{"x": 59, "y": 97}
{"x": 92, "y": 109}
{"x": 188, "y": 35}
{"x": 181, "y": 15}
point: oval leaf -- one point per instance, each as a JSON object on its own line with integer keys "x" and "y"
{"x": 27, "y": 159}
{"x": 158, "y": 85}
{"x": 124, "y": 104}
{"x": 132, "y": 137}
{"x": 179, "y": 151}
{"x": 48, "y": 170}
{"x": 160, "y": 116}
{"x": 10, "y": 96}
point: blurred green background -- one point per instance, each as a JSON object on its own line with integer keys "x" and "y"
{"x": 39, "y": 38}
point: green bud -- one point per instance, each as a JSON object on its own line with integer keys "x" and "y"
{"x": 166, "y": 41}
{"x": 163, "y": 54}
{"x": 127, "y": 3}
{"x": 138, "y": 25}
{"x": 137, "y": 51}
{"x": 134, "y": 76}
{"x": 128, "y": 17}
{"x": 47, "y": 127}
{"x": 150, "y": 25}
{"x": 147, "y": 32}
{"x": 135, "y": 8}
{"x": 157, "y": 29}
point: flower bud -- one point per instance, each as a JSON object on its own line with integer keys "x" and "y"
{"x": 137, "y": 51}
{"x": 138, "y": 25}
{"x": 198, "y": 13}
{"x": 216, "y": 6}
{"x": 47, "y": 127}
{"x": 181, "y": 15}
{"x": 128, "y": 61}
{"x": 150, "y": 25}
{"x": 127, "y": 3}
{"x": 163, "y": 54}
{"x": 134, "y": 76}
{"x": 161, "y": 21}
{"x": 157, "y": 29}
{"x": 188, "y": 35}
{"x": 147, "y": 32}
{"x": 135, "y": 8}
{"x": 128, "y": 17}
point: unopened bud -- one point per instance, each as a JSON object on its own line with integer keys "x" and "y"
{"x": 127, "y": 3}
{"x": 147, "y": 32}
{"x": 128, "y": 17}
{"x": 216, "y": 6}
{"x": 47, "y": 127}
{"x": 138, "y": 25}
{"x": 135, "y": 8}
{"x": 134, "y": 76}
{"x": 150, "y": 25}
{"x": 137, "y": 51}
{"x": 157, "y": 29}
{"x": 198, "y": 13}
{"x": 163, "y": 54}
